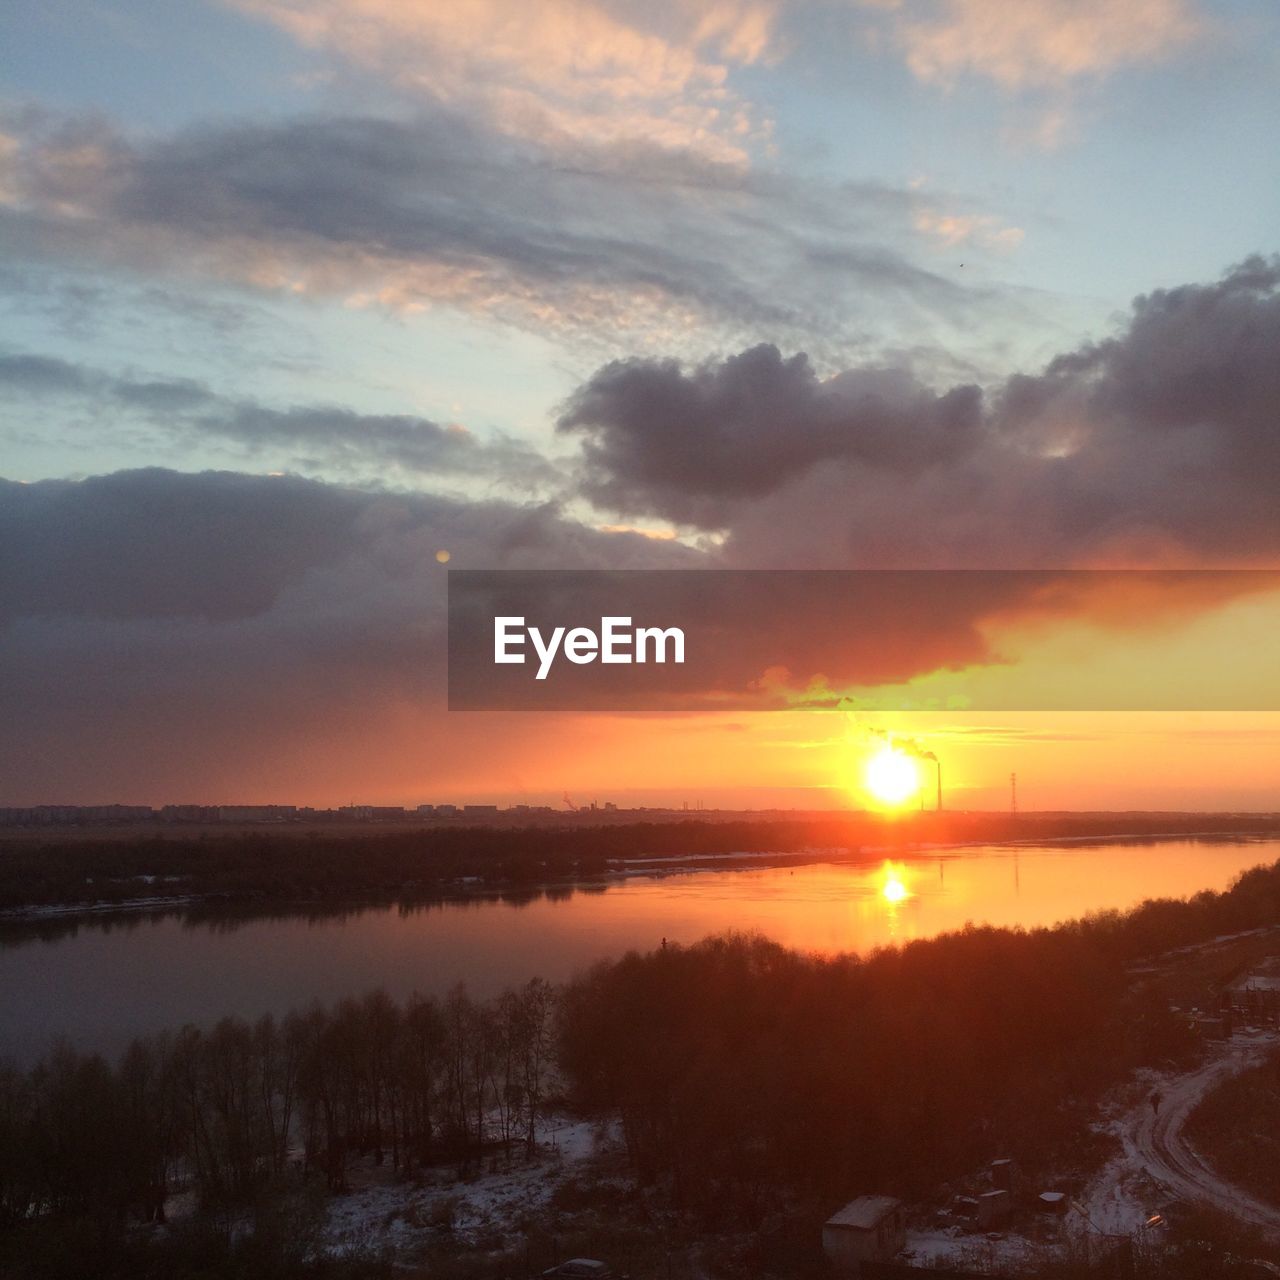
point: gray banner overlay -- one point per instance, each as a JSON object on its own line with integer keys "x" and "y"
{"x": 704, "y": 640}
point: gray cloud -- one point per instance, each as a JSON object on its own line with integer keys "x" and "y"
{"x": 1197, "y": 357}
{"x": 319, "y": 435}
{"x": 1158, "y": 444}
{"x": 660, "y": 439}
{"x": 218, "y": 633}
{"x": 44, "y": 375}
{"x": 222, "y": 546}
{"x": 437, "y": 210}
{"x": 159, "y": 544}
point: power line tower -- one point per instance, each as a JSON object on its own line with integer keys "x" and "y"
{"x": 1013, "y": 795}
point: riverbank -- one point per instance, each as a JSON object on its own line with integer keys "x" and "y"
{"x": 253, "y": 904}
{"x": 276, "y": 870}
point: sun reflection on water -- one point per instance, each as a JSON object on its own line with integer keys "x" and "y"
{"x": 893, "y": 879}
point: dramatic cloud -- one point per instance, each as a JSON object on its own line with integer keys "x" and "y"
{"x": 234, "y": 636}
{"x": 217, "y": 630}
{"x": 560, "y": 71}
{"x": 661, "y": 440}
{"x": 319, "y": 436}
{"x": 1158, "y": 446}
{"x": 436, "y": 211}
{"x": 156, "y": 544}
{"x": 224, "y": 546}
{"x": 1202, "y": 359}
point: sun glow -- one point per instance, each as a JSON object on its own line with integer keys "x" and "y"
{"x": 893, "y": 883}
{"x": 892, "y": 776}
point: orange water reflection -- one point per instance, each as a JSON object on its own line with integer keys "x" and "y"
{"x": 100, "y": 988}
{"x": 830, "y": 907}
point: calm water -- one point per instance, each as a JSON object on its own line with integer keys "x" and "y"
{"x": 108, "y": 981}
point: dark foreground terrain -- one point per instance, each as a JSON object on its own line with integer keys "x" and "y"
{"x": 750, "y": 1090}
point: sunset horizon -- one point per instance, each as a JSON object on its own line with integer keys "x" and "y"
{"x": 639, "y": 640}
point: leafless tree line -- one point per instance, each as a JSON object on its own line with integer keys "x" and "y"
{"x": 245, "y": 1104}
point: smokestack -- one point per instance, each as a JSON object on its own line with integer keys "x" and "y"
{"x": 938, "y": 763}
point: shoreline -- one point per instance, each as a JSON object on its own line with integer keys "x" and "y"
{"x": 620, "y": 870}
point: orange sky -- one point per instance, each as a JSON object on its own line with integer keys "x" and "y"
{"x": 388, "y": 746}
{"x": 798, "y": 759}
{"x": 1075, "y": 758}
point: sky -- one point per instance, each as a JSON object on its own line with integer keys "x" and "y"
{"x": 295, "y": 298}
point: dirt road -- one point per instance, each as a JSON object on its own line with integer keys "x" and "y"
{"x": 1156, "y": 1148}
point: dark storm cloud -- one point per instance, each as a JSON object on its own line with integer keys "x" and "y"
{"x": 436, "y": 210}
{"x": 1195, "y": 358}
{"x": 222, "y": 546}
{"x": 1159, "y": 444}
{"x": 164, "y": 633}
{"x": 158, "y": 544}
{"x": 658, "y": 438}
{"x": 314, "y": 434}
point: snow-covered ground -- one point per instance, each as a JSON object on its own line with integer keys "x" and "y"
{"x": 948, "y": 1247}
{"x": 1156, "y": 1165}
{"x": 1156, "y": 1162}
{"x": 383, "y": 1214}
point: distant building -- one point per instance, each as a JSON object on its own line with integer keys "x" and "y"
{"x": 480, "y": 810}
{"x": 115, "y": 813}
{"x": 55, "y": 815}
{"x": 868, "y": 1229}
{"x": 189, "y": 813}
{"x": 256, "y": 812}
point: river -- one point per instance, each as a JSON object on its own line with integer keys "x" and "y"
{"x": 103, "y": 981}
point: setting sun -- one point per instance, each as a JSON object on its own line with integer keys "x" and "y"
{"x": 892, "y": 776}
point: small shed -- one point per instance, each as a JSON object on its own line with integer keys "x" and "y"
{"x": 995, "y": 1208}
{"x": 868, "y": 1229}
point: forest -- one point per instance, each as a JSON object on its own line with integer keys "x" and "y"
{"x": 247, "y": 1109}
{"x": 737, "y": 1066}
{"x": 743, "y": 1075}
